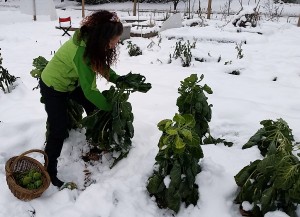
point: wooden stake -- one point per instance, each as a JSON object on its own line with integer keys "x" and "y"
{"x": 82, "y": 9}
{"x": 298, "y": 22}
{"x": 209, "y": 9}
{"x": 134, "y": 7}
{"x": 34, "y": 11}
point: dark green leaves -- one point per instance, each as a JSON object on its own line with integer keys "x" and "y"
{"x": 178, "y": 157}
{"x": 133, "y": 82}
{"x": 275, "y": 135}
{"x": 112, "y": 131}
{"x": 192, "y": 100}
{"x": 155, "y": 184}
{"x": 273, "y": 182}
{"x": 6, "y": 79}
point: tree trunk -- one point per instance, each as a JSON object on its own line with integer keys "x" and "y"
{"x": 298, "y": 22}
{"x": 209, "y": 9}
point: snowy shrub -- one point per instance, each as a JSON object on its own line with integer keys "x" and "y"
{"x": 183, "y": 51}
{"x": 246, "y": 17}
{"x": 133, "y": 49}
{"x": 6, "y": 79}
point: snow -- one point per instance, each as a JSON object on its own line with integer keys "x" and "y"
{"x": 239, "y": 102}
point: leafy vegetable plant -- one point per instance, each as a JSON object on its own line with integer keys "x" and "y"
{"x": 133, "y": 49}
{"x": 272, "y": 183}
{"x": 273, "y": 135}
{"x": 112, "y": 131}
{"x": 192, "y": 100}
{"x": 6, "y": 79}
{"x": 177, "y": 161}
{"x": 183, "y": 51}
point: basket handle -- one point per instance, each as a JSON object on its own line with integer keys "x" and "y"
{"x": 30, "y": 151}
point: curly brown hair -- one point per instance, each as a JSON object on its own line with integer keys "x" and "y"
{"x": 96, "y": 31}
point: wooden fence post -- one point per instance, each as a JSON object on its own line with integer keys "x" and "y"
{"x": 209, "y": 9}
{"x": 134, "y": 7}
{"x": 82, "y": 8}
{"x": 298, "y": 22}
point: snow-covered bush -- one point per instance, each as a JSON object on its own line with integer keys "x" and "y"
{"x": 6, "y": 79}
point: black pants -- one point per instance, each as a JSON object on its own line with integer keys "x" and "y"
{"x": 56, "y": 107}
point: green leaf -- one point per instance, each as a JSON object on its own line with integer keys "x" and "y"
{"x": 189, "y": 120}
{"x": 155, "y": 184}
{"x": 130, "y": 129}
{"x": 268, "y": 165}
{"x": 187, "y": 134}
{"x": 267, "y": 200}
{"x": 179, "y": 119}
{"x": 196, "y": 140}
{"x": 193, "y": 78}
{"x": 245, "y": 173}
{"x": 126, "y": 110}
{"x": 193, "y": 196}
{"x": 163, "y": 124}
{"x": 287, "y": 172}
{"x": 171, "y": 132}
{"x": 190, "y": 177}
{"x": 196, "y": 151}
{"x": 201, "y": 77}
{"x": 175, "y": 175}
{"x": 294, "y": 192}
{"x": 173, "y": 199}
{"x": 35, "y": 73}
{"x": 207, "y": 89}
{"x": 179, "y": 144}
{"x": 165, "y": 141}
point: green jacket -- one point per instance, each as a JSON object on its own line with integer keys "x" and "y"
{"x": 66, "y": 70}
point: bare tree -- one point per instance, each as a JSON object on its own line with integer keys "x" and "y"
{"x": 272, "y": 11}
{"x": 225, "y": 10}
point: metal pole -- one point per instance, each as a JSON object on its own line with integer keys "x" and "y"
{"x": 34, "y": 11}
{"x": 82, "y": 9}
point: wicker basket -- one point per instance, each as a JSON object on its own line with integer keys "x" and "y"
{"x": 24, "y": 163}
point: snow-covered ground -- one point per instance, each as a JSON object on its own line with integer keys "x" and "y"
{"x": 240, "y": 102}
